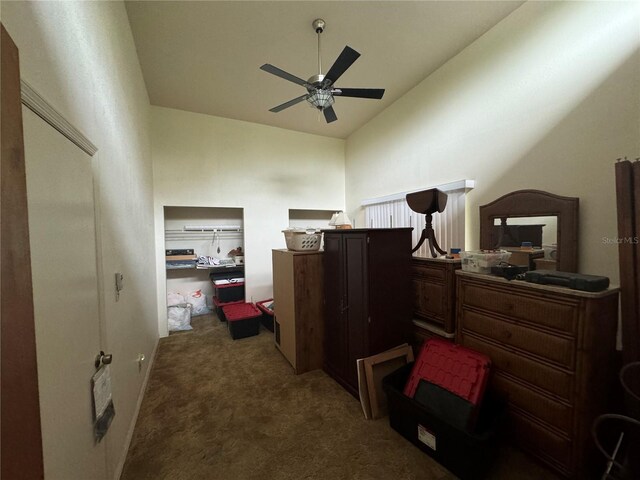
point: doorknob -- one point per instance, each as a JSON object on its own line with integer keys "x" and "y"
{"x": 103, "y": 359}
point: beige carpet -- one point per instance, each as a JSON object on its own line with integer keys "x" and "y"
{"x": 216, "y": 408}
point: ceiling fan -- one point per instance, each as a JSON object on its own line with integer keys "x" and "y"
{"x": 321, "y": 88}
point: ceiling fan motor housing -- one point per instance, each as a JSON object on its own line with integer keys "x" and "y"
{"x": 316, "y": 81}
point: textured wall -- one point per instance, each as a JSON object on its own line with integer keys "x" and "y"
{"x": 80, "y": 56}
{"x": 205, "y": 161}
{"x": 547, "y": 99}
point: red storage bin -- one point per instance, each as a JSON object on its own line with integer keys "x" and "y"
{"x": 267, "y": 313}
{"x": 218, "y": 306}
{"x": 468, "y": 453}
{"x": 457, "y": 369}
{"x": 243, "y": 320}
{"x": 450, "y": 380}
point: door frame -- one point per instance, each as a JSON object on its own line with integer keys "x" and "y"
{"x": 21, "y": 433}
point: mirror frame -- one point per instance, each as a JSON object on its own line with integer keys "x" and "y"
{"x": 536, "y": 203}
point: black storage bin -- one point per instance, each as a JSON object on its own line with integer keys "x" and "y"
{"x": 231, "y": 292}
{"x": 227, "y": 273}
{"x": 220, "y": 305}
{"x": 467, "y": 455}
{"x": 267, "y": 314}
{"x": 243, "y": 320}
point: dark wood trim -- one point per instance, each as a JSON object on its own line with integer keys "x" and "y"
{"x": 20, "y": 412}
{"x": 628, "y": 206}
{"x": 536, "y": 203}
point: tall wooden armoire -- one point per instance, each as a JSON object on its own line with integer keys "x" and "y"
{"x": 368, "y": 306}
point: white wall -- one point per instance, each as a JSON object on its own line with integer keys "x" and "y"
{"x": 205, "y": 161}
{"x": 547, "y": 99}
{"x": 80, "y": 56}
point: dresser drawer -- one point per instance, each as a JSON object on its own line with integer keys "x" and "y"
{"x": 547, "y": 312}
{"x": 551, "y": 347}
{"x": 550, "y": 411}
{"x": 429, "y": 299}
{"x": 426, "y": 271}
{"x": 522, "y": 367}
{"x": 539, "y": 441}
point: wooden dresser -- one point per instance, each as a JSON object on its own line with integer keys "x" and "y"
{"x": 298, "y": 307}
{"x": 553, "y": 351}
{"x": 433, "y": 285}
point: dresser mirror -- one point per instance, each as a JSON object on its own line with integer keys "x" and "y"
{"x": 548, "y": 222}
{"x": 512, "y": 232}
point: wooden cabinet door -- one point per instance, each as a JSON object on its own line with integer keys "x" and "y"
{"x": 335, "y": 344}
{"x": 355, "y": 303}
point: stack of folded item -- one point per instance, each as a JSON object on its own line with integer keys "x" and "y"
{"x": 182, "y": 258}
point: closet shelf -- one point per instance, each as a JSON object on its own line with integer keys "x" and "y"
{"x": 203, "y": 234}
{"x": 180, "y": 267}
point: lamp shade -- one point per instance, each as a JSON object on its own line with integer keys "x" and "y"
{"x": 342, "y": 221}
{"x": 332, "y": 222}
{"x": 320, "y": 99}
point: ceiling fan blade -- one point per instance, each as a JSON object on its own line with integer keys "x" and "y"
{"x": 359, "y": 92}
{"x": 344, "y": 61}
{"x": 288, "y": 104}
{"x": 329, "y": 114}
{"x": 282, "y": 74}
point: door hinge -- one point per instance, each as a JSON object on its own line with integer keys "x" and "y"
{"x": 369, "y": 319}
{"x": 368, "y": 238}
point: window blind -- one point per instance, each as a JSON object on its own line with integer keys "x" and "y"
{"x": 392, "y": 211}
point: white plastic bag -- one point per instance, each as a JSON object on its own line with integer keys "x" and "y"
{"x": 198, "y": 303}
{"x": 179, "y": 317}
{"x": 174, "y": 299}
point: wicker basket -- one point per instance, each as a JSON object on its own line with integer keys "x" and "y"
{"x": 302, "y": 240}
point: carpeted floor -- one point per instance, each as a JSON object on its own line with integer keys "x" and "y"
{"x": 216, "y": 408}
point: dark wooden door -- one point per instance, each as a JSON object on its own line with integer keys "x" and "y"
{"x": 355, "y": 303}
{"x": 335, "y": 344}
{"x": 389, "y": 288}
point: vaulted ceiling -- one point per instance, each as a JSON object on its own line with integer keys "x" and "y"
{"x": 205, "y": 57}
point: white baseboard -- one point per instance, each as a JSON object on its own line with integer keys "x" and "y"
{"x": 134, "y": 420}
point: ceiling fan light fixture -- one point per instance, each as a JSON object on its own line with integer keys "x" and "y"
{"x": 320, "y": 99}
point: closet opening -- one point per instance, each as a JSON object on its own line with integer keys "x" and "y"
{"x": 200, "y": 243}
